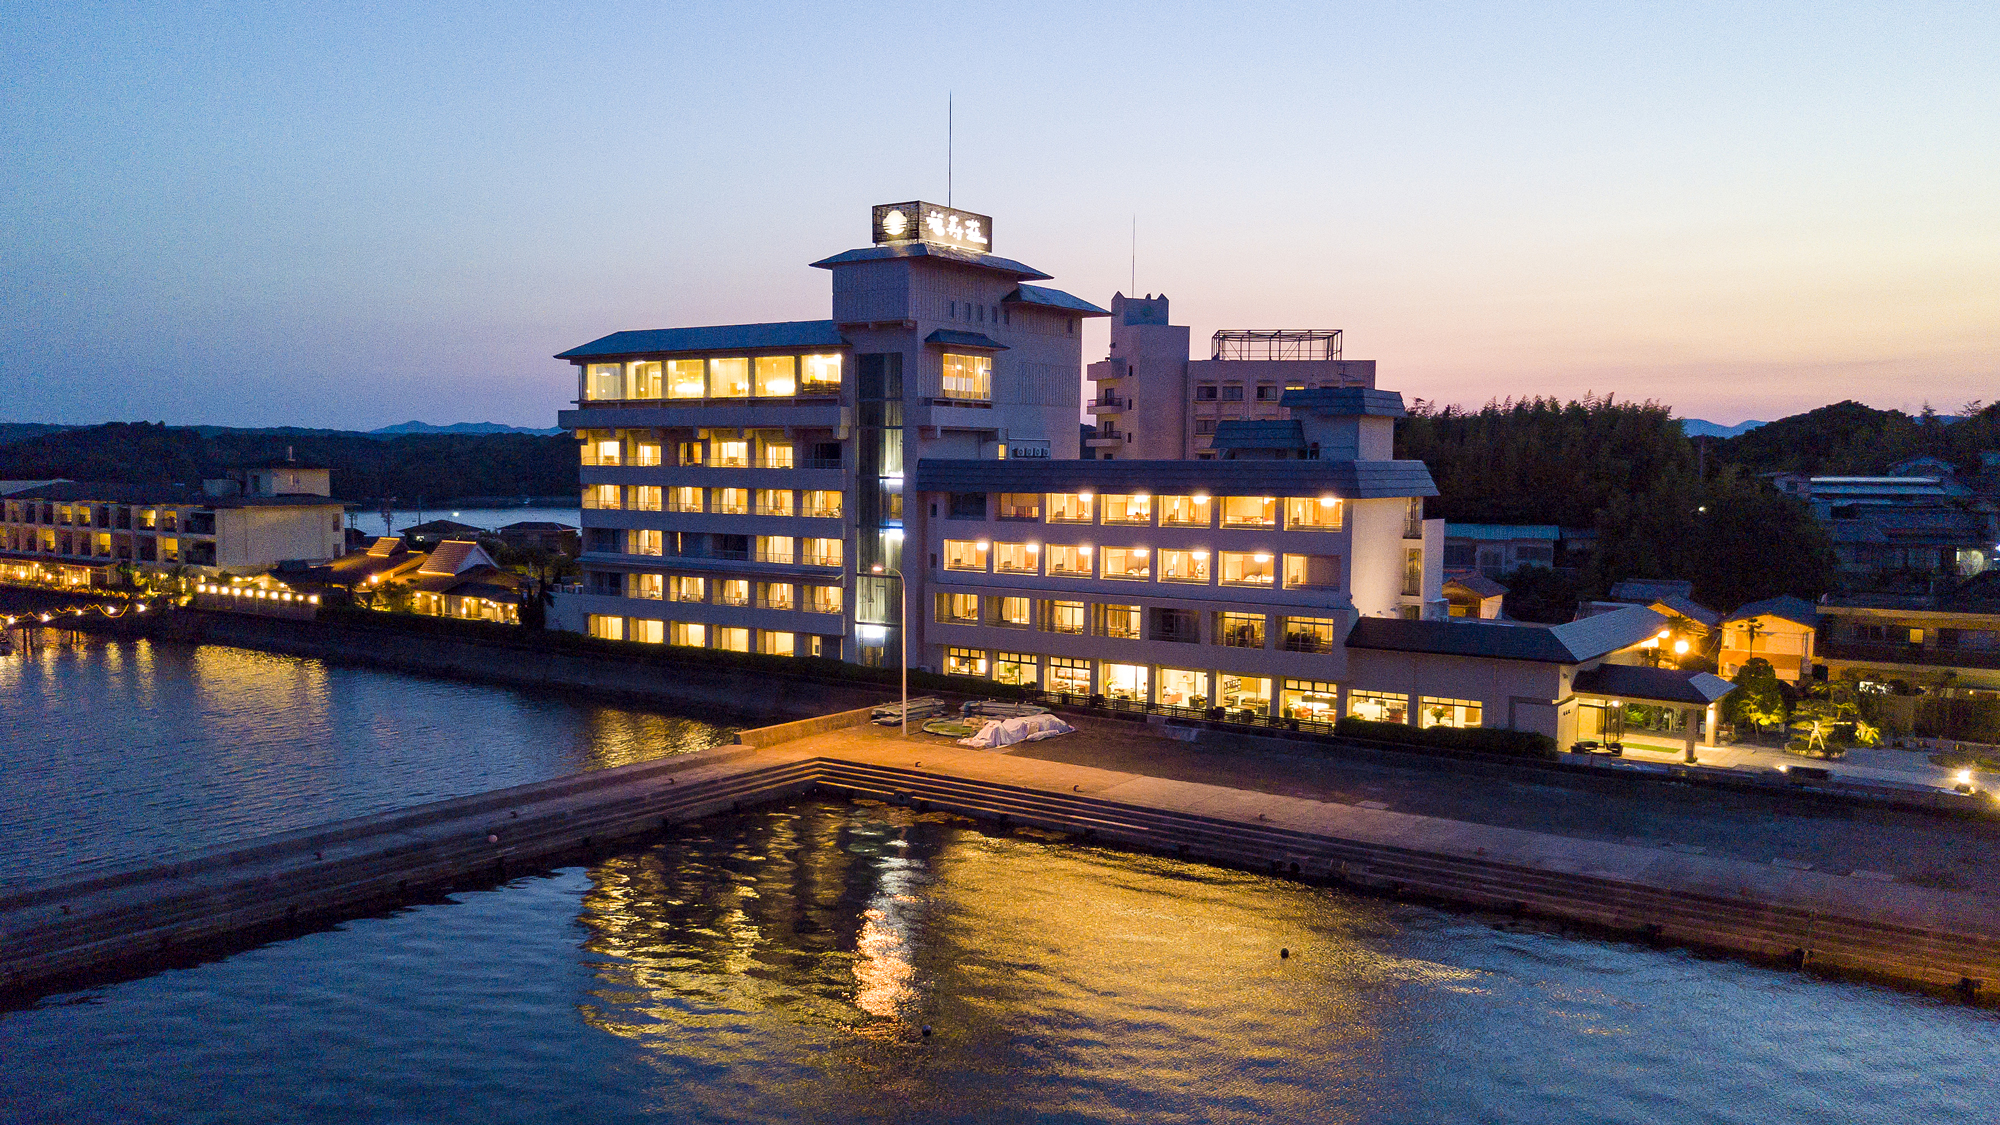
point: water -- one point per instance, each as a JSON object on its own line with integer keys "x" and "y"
{"x": 489, "y": 518}
{"x": 120, "y": 751}
{"x": 779, "y": 964}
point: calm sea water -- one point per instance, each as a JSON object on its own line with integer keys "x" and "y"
{"x": 780, "y": 964}
{"x": 488, "y": 518}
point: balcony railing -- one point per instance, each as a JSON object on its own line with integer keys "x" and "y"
{"x": 1307, "y": 642}
{"x": 1908, "y": 654}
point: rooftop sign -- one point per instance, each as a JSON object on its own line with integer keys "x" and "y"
{"x": 928, "y": 222}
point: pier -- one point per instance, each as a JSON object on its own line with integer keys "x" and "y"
{"x": 73, "y": 930}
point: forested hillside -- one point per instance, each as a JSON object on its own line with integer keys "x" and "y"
{"x": 1849, "y": 438}
{"x": 437, "y": 466}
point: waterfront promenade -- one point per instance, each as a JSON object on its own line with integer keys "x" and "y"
{"x": 1867, "y": 905}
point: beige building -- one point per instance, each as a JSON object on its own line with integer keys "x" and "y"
{"x": 1779, "y": 629}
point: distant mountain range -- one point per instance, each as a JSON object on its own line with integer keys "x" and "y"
{"x": 1695, "y": 427}
{"x": 415, "y": 427}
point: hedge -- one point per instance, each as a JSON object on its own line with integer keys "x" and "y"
{"x": 1519, "y": 743}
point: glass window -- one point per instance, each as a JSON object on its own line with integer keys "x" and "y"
{"x": 649, "y": 630}
{"x": 600, "y": 449}
{"x": 1204, "y": 392}
{"x": 1312, "y": 700}
{"x": 823, "y": 504}
{"x": 647, "y": 543}
{"x": 1184, "y": 566}
{"x": 1017, "y": 613}
{"x": 1133, "y": 563}
{"x": 1125, "y": 681}
{"x": 964, "y": 662}
{"x": 685, "y": 378}
{"x": 825, "y": 599}
{"x": 684, "y": 499}
{"x": 1240, "y": 630}
{"x": 650, "y": 586}
{"x": 819, "y": 552}
{"x": 1379, "y": 706}
{"x": 776, "y": 549}
{"x": 1435, "y": 712}
{"x": 1136, "y": 508}
{"x": 774, "y": 501}
{"x": 968, "y": 376}
{"x": 965, "y": 554}
{"x": 1070, "y": 507}
{"x": 822, "y": 375}
{"x": 1312, "y": 572}
{"x": 1014, "y": 668}
{"x": 1017, "y": 558}
{"x": 1020, "y": 505}
{"x": 1244, "y": 693}
{"x": 777, "y": 595}
{"x": 1183, "y": 687}
{"x": 1069, "y": 560}
{"x": 1069, "y": 675}
{"x": 1249, "y": 511}
{"x": 1232, "y": 392}
{"x": 732, "y": 640}
{"x": 771, "y": 642}
{"x": 1309, "y": 634}
{"x": 777, "y": 376}
{"x": 648, "y": 498}
{"x": 646, "y": 453}
{"x": 967, "y": 506}
{"x": 729, "y": 454}
{"x": 1267, "y": 393}
{"x": 729, "y": 378}
{"x": 960, "y": 609}
{"x": 689, "y": 453}
{"x": 643, "y": 377}
{"x": 687, "y": 633}
{"x": 1304, "y": 513}
{"x": 1067, "y": 617}
{"x": 733, "y": 591}
{"x": 775, "y": 455}
{"x": 601, "y": 496}
{"x": 1120, "y": 621}
{"x": 688, "y": 589}
{"x": 604, "y": 381}
{"x": 1186, "y": 511}
{"x": 1246, "y": 568}
{"x": 732, "y": 502}
{"x": 607, "y": 628}
{"x": 1413, "y": 571}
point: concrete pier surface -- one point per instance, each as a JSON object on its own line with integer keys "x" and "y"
{"x": 1375, "y": 825}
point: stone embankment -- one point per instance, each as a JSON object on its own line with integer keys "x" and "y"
{"x": 126, "y": 921}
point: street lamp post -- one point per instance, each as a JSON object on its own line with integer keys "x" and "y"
{"x": 903, "y": 630}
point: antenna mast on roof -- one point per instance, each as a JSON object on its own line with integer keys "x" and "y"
{"x": 1135, "y": 254}
{"x": 948, "y": 115}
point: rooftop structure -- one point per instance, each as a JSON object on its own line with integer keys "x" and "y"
{"x": 1285, "y": 344}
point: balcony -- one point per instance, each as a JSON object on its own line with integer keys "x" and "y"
{"x": 1881, "y": 653}
{"x": 1107, "y": 438}
{"x": 1108, "y": 404}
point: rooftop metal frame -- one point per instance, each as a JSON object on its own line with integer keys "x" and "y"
{"x": 1277, "y": 343}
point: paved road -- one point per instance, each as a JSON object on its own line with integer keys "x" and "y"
{"x": 1834, "y": 837}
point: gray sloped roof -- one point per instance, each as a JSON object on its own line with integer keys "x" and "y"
{"x": 1573, "y": 643}
{"x": 1354, "y": 480}
{"x": 1054, "y": 299}
{"x": 1671, "y": 685}
{"x": 713, "y": 338}
{"x": 952, "y": 339}
{"x": 1606, "y": 633}
{"x": 1690, "y": 609}
{"x": 1243, "y": 433}
{"x": 1796, "y": 610}
{"x": 1346, "y": 400}
{"x": 1647, "y": 589}
{"x": 942, "y": 253}
{"x": 1476, "y": 584}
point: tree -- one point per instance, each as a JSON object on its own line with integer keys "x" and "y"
{"x": 1759, "y": 699}
{"x": 1537, "y": 593}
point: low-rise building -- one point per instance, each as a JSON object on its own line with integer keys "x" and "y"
{"x": 1920, "y": 519}
{"x": 1493, "y": 549}
{"x": 1779, "y": 629}
{"x": 541, "y": 535}
{"x": 1471, "y": 594}
{"x": 1946, "y": 644}
{"x": 459, "y": 579}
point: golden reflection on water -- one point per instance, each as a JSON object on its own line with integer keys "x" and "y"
{"x": 838, "y": 930}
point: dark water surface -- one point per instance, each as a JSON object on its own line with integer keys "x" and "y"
{"x": 778, "y": 965}
{"x": 113, "y": 752}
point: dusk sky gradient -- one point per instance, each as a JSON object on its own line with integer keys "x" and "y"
{"x": 350, "y": 215}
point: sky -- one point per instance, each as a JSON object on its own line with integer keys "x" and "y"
{"x": 355, "y": 214}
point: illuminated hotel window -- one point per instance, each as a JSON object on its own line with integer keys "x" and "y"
{"x": 602, "y": 496}
{"x": 684, "y": 499}
{"x": 777, "y": 376}
{"x": 689, "y": 453}
{"x": 649, "y": 630}
{"x": 650, "y": 586}
{"x": 1125, "y": 681}
{"x": 643, "y": 379}
{"x": 774, "y": 501}
{"x": 1136, "y": 509}
{"x": 647, "y": 497}
{"x": 776, "y": 455}
{"x": 1020, "y": 506}
{"x": 688, "y": 633}
{"x": 1312, "y": 572}
{"x": 604, "y": 381}
{"x": 822, "y": 375}
{"x": 775, "y": 549}
{"x": 1435, "y": 712}
{"x": 647, "y": 542}
{"x": 1070, "y": 507}
{"x": 1184, "y": 566}
{"x": 1067, "y": 674}
{"x": 819, "y": 552}
{"x": 823, "y": 504}
{"x": 1249, "y": 511}
{"x": 599, "y": 448}
{"x": 825, "y": 599}
{"x": 1014, "y": 668}
{"x": 964, "y": 662}
{"x": 958, "y": 609}
{"x": 1017, "y": 558}
{"x": 1186, "y": 511}
{"x": 964, "y": 554}
{"x": 729, "y": 453}
{"x": 687, "y": 589}
{"x": 607, "y": 628}
{"x": 968, "y": 377}
{"x": 732, "y": 502}
{"x": 1069, "y": 561}
{"x": 1379, "y": 706}
{"x": 1244, "y": 693}
{"x": 1121, "y": 621}
{"x": 1183, "y": 687}
{"x": 1246, "y": 568}
{"x": 771, "y": 642}
{"x": 646, "y": 453}
{"x": 1303, "y": 513}
{"x": 1309, "y": 634}
{"x": 729, "y": 378}
{"x": 733, "y": 591}
{"x": 1067, "y": 617}
{"x": 1014, "y": 613}
{"x": 686, "y": 379}
{"x": 777, "y": 595}
{"x": 1133, "y": 563}
{"x": 1312, "y": 700}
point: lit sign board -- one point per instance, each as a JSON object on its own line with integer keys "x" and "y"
{"x": 1028, "y": 450}
{"x": 928, "y": 222}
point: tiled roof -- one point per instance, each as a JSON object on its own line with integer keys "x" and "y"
{"x": 453, "y": 556}
{"x": 1354, "y": 480}
{"x": 952, "y": 339}
{"x": 714, "y": 338}
{"x": 1346, "y": 400}
{"x": 1502, "y": 531}
{"x": 1573, "y": 643}
{"x": 1647, "y": 589}
{"x": 1054, "y": 299}
{"x": 1785, "y": 607}
{"x": 942, "y": 253}
{"x": 387, "y": 545}
{"x": 1476, "y": 584}
{"x": 1606, "y": 633}
{"x": 1670, "y": 685}
{"x": 1689, "y": 608}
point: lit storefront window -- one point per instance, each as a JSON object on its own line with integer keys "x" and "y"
{"x": 1183, "y": 687}
{"x": 1069, "y": 675}
{"x": 1126, "y": 681}
{"x": 1014, "y": 668}
{"x": 1312, "y": 700}
{"x": 1379, "y": 706}
{"x": 1244, "y": 693}
{"x": 967, "y": 377}
{"x": 1435, "y": 712}
{"x": 965, "y": 662}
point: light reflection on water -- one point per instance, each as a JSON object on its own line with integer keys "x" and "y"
{"x": 119, "y": 751}
{"x": 777, "y": 965}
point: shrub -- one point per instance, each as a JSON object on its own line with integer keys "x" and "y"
{"x": 1516, "y": 743}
